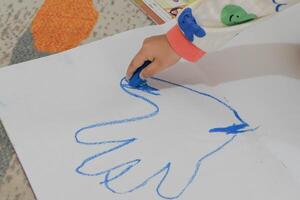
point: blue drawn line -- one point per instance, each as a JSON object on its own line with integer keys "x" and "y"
{"x": 234, "y": 128}
{"x": 124, "y": 168}
{"x": 278, "y": 5}
{"x": 165, "y": 171}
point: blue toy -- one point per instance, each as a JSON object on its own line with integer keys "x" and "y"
{"x": 189, "y": 26}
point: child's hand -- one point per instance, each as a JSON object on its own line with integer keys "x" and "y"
{"x": 156, "y": 49}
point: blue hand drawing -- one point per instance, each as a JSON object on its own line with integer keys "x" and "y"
{"x": 116, "y": 172}
{"x": 189, "y": 26}
{"x": 278, "y": 5}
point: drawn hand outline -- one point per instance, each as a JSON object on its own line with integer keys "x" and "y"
{"x": 118, "y": 171}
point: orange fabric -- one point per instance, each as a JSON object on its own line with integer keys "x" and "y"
{"x": 182, "y": 46}
{"x": 62, "y": 24}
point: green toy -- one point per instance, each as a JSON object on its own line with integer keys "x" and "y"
{"x": 232, "y": 15}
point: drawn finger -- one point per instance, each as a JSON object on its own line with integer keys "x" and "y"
{"x": 135, "y": 178}
{"x": 101, "y": 162}
{"x": 178, "y": 176}
{"x": 185, "y": 168}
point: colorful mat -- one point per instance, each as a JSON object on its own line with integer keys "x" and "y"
{"x": 32, "y": 29}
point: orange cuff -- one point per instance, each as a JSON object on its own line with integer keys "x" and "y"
{"x": 182, "y": 46}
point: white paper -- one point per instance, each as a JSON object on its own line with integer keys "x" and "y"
{"x": 44, "y": 102}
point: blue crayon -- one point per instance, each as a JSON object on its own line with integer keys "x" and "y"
{"x": 136, "y": 81}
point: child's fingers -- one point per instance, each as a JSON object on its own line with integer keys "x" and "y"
{"x": 152, "y": 69}
{"x": 136, "y": 62}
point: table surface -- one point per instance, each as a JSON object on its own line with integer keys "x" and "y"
{"x": 17, "y": 45}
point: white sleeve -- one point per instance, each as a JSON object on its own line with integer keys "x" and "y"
{"x": 210, "y": 24}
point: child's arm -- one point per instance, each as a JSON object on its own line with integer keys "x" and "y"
{"x": 203, "y": 27}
